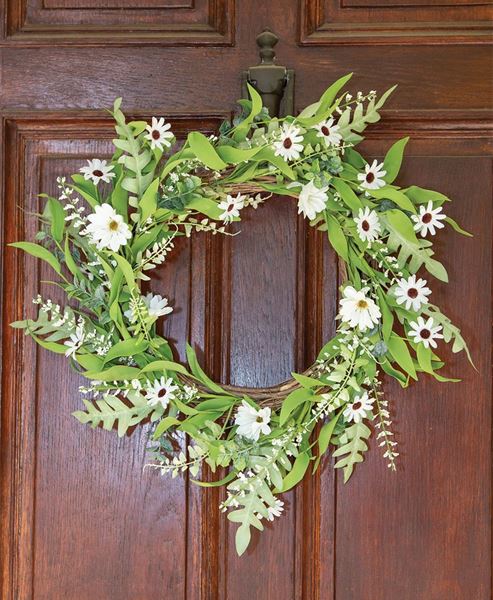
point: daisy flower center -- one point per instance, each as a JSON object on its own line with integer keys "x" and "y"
{"x": 325, "y": 130}
{"x": 365, "y": 226}
{"x": 287, "y": 143}
{"x": 97, "y": 173}
{"x": 356, "y": 405}
{"x": 362, "y": 304}
{"x": 370, "y": 177}
{"x": 155, "y": 134}
{"x": 425, "y": 333}
{"x": 161, "y": 393}
{"x": 259, "y": 419}
{"x": 113, "y": 225}
{"x": 426, "y": 218}
{"x": 412, "y": 293}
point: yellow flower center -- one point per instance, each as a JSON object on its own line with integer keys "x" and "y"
{"x": 113, "y": 225}
{"x": 362, "y": 304}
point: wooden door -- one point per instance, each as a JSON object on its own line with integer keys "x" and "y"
{"x": 80, "y": 518}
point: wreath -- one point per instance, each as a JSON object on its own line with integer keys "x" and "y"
{"x": 117, "y": 220}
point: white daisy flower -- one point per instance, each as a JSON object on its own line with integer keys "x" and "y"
{"x": 413, "y": 292}
{"x": 372, "y": 178}
{"x": 157, "y": 306}
{"x": 368, "y": 225}
{"x": 231, "y": 206}
{"x": 328, "y": 131}
{"x": 312, "y": 200}
{"x": 97, "y": 170}
{"x": 161, "y": 392}
{"x": 107, "y": 228}
{"x": 425, "y": 332}
{"x": 276, "y": 510}
{"x": 252, "y": 422}
{"x": 356, "y": 411}
{"x": 159, "y": 134}
{"x": 428, "y": 219}
{"x": 359, "y": 310}
{"x": 289, "y": 146}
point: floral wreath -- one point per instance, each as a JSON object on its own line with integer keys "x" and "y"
{"x": 150, "y": 193}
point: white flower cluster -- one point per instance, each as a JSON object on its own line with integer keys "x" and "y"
{"x": 70, "y": 204}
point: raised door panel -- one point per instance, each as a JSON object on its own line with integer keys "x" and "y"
{"x": 83, "y": 511}
{"x": 106, "y": 22}
{"x": 373, "y": 22}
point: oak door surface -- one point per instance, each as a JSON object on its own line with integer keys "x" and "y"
{"x": 80, "y": 518}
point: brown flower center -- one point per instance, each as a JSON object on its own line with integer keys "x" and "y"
{"x": 259, "y": 419}
{"x": 113, "y": 225}
{"x": 362, "y": 304}
{"x": 325, "y": 130}
{"x": 370, "y": 177}
{"x": 365, "y": 226}
{"x": 356, "y": 405}
{"x": 161, "y": 393}
{"x": 287, "y": 143}
{"x": 425, "y": 333}
{"x": 427, "y": 217}
{"x": 155, "y": 134}
{"x": 412, "y": 293}
{"x": 97, "y": 173}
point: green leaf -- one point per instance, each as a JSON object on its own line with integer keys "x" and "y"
{"x": 233, "y": 156}
{"x": 336, "y": 236}
{"x": 39, "y": 252}
{"x": 57, "y": 219}
{"x": 268, "y": 155}
{"x": 331, "y": 92}
{"x": 130, "y": 347}
{"x": 117, "y": 373}
{"x": 347, "y": 194}
{"x": 71, "y": 264}
{"x": 395, "y": 373}
{"x": 292, "y": 402}
{"x": 110, "y": 410}
{"x": 387, "y": 316}
{"x": 435, "y": 268}
{"x": 241, "y": 130}
{"x": 396, "y": 196}
{"x": 402, "y": 225}
{"x": 325, "y": 104}
{"x": 457, "y": 227}
{"x": 306, "y": 382}
{"x": 163, "y": 426}
{"x": 148, "y": 202}
{"x": 400, "y": 353}
{"x": 164, "y": 365}
{"x": 393, "y": 160}
{"x": 51, "y": 346}
{"x": 422, "y": 196}
{"x": 206, "y": 206}
{"x": 199, "y": 373}
{"x": 86, "y": 189}
{"x": 352, "y": 449}
{"x": 126, "y": 270}
{"x": 324, "y": 438}
{"x": 204, "y": 151}
{"x": 297, "y": 472}
{"x": 242, "y": 539}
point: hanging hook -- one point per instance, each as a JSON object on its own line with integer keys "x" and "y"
{"x": 274, "y": 83}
